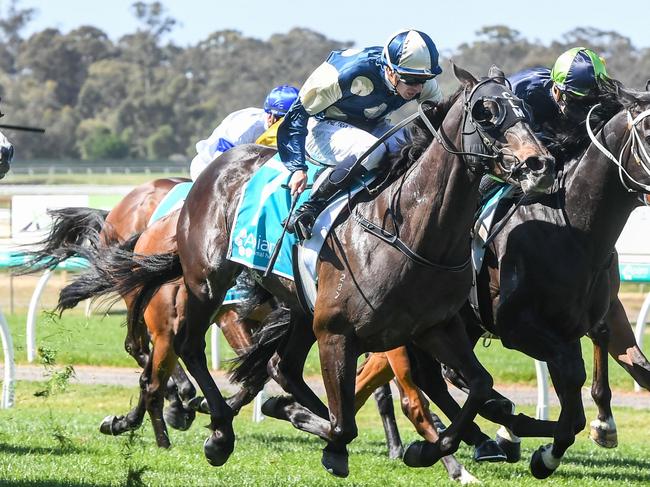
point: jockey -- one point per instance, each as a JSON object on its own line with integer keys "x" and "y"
{"x": 247, "y": 126}
{"x": 566, "y": 92}
{"x": 554, "y": 96}
{"x": 345, "y": 106}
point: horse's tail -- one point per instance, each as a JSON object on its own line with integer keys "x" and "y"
{"x": 249, "y": 369}
{"x": 71, "y": 227}
{"x": 97, "y": 280}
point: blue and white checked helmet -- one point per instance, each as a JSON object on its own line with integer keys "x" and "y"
{"x": 412, "y": 54}
{"x": 280, "y": 99}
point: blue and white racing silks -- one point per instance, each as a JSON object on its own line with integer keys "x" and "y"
{"x": 350, "y": 86}
{"x": 534, "y": 87}
{"x": 240, "y": 127}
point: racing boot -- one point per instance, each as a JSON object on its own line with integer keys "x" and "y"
{"x": 302, "y": 220}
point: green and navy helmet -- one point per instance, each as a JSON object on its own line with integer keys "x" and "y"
{"x": 578, "y": 70}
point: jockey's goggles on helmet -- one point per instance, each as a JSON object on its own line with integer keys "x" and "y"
{"x": 409, "y": 79}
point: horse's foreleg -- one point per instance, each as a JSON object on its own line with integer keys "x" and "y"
{"x": 603, "y": 428}
{"x": 338, "y": 354}
{"x": 448, "y": 343}
{"x": 372, "y": 378}
{"x": 567, "y": 371}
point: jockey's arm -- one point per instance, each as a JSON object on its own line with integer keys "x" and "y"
{"x": 320, "y": 91}
{"x": 430, "y": 92}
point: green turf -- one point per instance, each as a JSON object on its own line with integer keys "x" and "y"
{"x": 99, "y": 340}
{"x": 55, "y": 442}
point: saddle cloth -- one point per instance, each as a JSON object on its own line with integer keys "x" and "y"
{"x": 482, "y": 228}
{"x": 262, "y": 209}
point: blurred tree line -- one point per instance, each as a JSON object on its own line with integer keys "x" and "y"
{"x": 144, "y": 97}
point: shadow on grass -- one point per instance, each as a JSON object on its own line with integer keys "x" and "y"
{"x": 39, "y": 450}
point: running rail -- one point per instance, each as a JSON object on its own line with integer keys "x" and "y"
{"x": 8, "y": 384}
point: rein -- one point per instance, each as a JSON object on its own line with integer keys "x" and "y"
{"x": 497, "y": 154}
{"x": 633, "y": 142}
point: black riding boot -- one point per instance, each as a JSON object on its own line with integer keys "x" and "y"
{"x": 302, "y": 220}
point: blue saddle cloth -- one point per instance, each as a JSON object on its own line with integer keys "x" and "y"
{"x": 263, "y": 206}
{"x": 171, "y": 201}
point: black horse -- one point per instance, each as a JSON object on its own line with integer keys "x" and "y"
{"x": 551, "y": 275}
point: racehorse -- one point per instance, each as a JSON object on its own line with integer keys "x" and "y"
{"x": 432, "y": 201}
{"x": 162, "y": 318}
{"x": 72, "y": 232}
{"x": 541, "y": 299}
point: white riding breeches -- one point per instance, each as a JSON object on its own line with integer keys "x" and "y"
{"x": 332, "y": 141}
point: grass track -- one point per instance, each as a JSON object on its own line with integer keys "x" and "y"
{"x": 99, "y": 341}
{"x": 55, "y": 442}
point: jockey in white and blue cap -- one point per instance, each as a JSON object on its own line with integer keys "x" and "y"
{"x": 247, "y": 126}
{"x": 347, "y": 103}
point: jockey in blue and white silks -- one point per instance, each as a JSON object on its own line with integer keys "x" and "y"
{"x": 245, "y": 126}
{"x": 346, "y": 104}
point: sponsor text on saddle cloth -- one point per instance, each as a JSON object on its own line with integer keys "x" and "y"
{"x": 173, "y": 201}
{"x": 262, "y": 209}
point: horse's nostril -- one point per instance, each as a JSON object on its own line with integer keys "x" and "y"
{"x": 534, "y": 163}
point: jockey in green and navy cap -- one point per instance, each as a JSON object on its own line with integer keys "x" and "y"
{"x": 578, "y": 71}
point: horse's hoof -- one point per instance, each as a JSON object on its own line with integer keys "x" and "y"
{"x": 107, "y": 426}
{"x": 217, "y": 450}
{"x": 179, "y": 418}
{"x": 512, "y": 449}
{"x": 604, "y": 433}
{"x": 335, "y": 463}
{"x": 419, "y": 454}
{"x": 274, "y": 407}
{"x": 538, "y": 467}
{"x": 489, "y": 451}
{"x": 198, "y": 404}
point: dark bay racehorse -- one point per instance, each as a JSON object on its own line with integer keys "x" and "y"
{"x": 433, "y": 204}
{"x": 551, "y": 275}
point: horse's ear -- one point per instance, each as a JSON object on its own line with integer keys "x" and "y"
{"x": 647, "y": 85}
{"x": 464, "y": 76}
{"x": 497, "y": 74}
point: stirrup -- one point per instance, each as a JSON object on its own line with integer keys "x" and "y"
{"x": 302, "y": 226}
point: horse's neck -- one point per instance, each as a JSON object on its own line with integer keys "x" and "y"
{"x": 436, "y": 203}
{"x": 597, "y": 204}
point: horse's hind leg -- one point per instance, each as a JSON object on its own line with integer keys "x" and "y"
{"x": 116, "y": 425}
{"x": 623, "y": 346}
{"x": 603, "y": 428}
{"x": 190, "y": 346}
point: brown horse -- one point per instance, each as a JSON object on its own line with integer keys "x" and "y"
{"x": 429, "y": 202}
{"x": 163, "y": 316}
{"x": 75, "y": 228}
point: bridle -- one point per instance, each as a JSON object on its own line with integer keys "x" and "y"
{"x": 634, "y": 143}
{"x": 508, "y": 109}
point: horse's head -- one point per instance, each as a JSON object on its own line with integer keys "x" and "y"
{"x": 497, "y": 136}
{"x": 629, "y": 131}
{"x": 6, "y": 155}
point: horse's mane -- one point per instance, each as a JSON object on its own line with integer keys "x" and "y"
{"x": 420, "y": 136}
